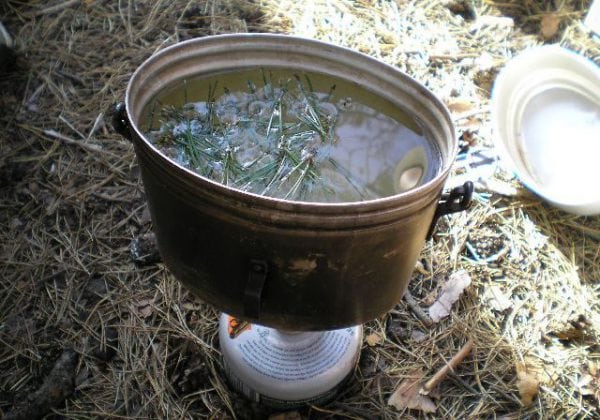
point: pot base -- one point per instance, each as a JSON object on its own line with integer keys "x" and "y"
{"x": 287, "y": 369}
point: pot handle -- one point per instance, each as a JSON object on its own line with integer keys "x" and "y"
{"x": 120, "y": 121}
{"x": 458, "y": 199}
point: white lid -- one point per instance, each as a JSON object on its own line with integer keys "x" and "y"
{"x": 546, "y": 117}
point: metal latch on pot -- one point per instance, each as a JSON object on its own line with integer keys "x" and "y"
{"x": 120, "y": 121}
{"x": 458, "y": 199}
{"x": 257, "y": 276}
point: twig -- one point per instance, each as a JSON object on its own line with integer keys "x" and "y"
{"x": 588, "y": 231}
{"x": 417, "y": 310}
{"x": 449, "y": 367}
{"x": 87, "y": 146}
{"x": 57, "y": 386}
{"x": 73, "y": 77}
{"x": 99, "y": 122}
{"x": 111, "y": 198}
{"x": 55, "y": 8}
{"x": 71, "y": 126}
{"x": 442, "y": 57}
{"x": 472, "y": 113}
{"x": 31, "y": 101}
{"x": 90, "y": 147}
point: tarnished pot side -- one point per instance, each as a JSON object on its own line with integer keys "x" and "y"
{"x": 284, "y": 264}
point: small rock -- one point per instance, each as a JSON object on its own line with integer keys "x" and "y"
{"x": 144, "y": 249}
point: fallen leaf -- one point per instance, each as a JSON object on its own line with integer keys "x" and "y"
{"x": 487, "y": 21}
{"x": 459, "y": 106}
{"x": 407, "y": 394}
{"x": 431, "y": 297}
{"x": 373, "y": 339}
{"x": 418, "y": 336}
{"x": 583, "y": 383}
{"x": 549, "y": 26}
{"x": 449, "y": 293}
{"x": 468, "y": 136}
{"x": 527, "y": 384}
{"x": 496, "y": 299}
{"x": 574, "y": 329}
{"x": 589, "y": 383}
{"x": 144, "y": 308}
{"x": 545, "y": 373}
{"x": 189, "y": 306}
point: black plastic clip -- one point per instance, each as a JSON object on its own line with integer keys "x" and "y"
{"x": 458, "y": 199}
{"x": 120, "y": 121}
{"x": 253, "y": 293}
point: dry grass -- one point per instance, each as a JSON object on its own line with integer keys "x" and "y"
{"x": 71, "y": 202}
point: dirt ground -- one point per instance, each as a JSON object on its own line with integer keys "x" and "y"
{"x": 88, "y": 330}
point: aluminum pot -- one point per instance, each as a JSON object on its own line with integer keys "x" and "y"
{"x": 287, "y": 264}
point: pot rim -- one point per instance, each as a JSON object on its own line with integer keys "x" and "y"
{"x": 412, "y": 196}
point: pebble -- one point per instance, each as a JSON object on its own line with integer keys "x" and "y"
{"x": 144, "y": 249}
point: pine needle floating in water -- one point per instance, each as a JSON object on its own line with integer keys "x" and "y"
{"x": 271, "y": 140}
